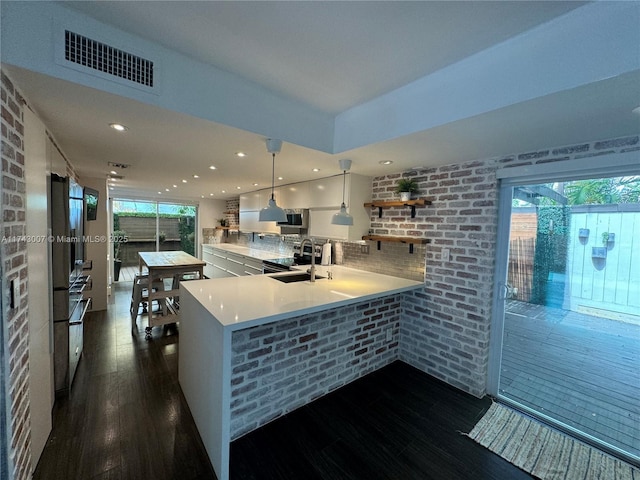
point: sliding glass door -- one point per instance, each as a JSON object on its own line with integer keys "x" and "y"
{"x": 148, "y": 226}
{"x": 567, "y": 307}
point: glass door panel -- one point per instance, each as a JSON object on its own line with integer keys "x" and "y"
{"x": 571, "y": 309}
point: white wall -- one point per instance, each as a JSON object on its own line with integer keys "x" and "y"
{"x": 41, "y": 389}
{"x": 209, "y": 211}
{"x": 98, "y": 251}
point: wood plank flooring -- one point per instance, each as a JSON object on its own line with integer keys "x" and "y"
{"x": 580, "y": 369}
{"x": 126, "y": 418}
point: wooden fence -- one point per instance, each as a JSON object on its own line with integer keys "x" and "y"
{"x": 520, "y": 276}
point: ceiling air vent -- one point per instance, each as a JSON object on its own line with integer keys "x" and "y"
{"x": 100, "y": 56}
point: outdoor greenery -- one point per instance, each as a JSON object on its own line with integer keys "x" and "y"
{"x": 603, "y": 191}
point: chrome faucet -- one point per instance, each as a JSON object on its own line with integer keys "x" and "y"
{"x": 312, "y": 270}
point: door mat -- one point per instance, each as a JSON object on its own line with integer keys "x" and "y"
{"x": 544, "y": 452}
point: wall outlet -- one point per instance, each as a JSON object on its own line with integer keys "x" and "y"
{"x": 364, "y": 249}
{"x": 445, "y": 255}
{"x": 389, "y": 334}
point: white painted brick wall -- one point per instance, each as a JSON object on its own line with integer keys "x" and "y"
{"x": 281, "y": 366}
{"x": 445, "y": 328}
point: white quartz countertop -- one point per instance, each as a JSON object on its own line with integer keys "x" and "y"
{"x": 249, "y": 252}
{"x": 242, "y": 302}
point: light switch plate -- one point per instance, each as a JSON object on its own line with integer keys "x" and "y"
{"x": 445, "y": 255}
{"x": 364, "y": 249}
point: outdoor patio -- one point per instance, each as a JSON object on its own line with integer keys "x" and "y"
{"x": 580, "y": 369}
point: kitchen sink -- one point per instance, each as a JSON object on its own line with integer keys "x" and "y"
{"x": 295, "y": 277}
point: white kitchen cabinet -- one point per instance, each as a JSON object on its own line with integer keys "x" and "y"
{"x": 252, "y": 201}
{"x": 358, "y": 192}
{"x": 295, "y": 195}
{"x": 221, "y": 263}
{"x": 327, "y": 192}
{"x": 249, "y": 222}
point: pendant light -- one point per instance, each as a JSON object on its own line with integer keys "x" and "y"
{"x": 272, "y": 212}
{"x": 342, "y": 217}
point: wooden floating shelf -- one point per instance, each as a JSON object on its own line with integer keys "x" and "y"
{"x": 418, "y": 202}
{"x": 409, "y": 240}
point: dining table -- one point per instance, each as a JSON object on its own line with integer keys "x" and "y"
{"x": 174, "y": 265}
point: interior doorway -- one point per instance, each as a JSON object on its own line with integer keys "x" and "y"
{"x": 567, "y": 307}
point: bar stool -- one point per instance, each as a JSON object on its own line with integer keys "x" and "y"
{"x": 140, "y": 293}
{"x": 182, "y": 277}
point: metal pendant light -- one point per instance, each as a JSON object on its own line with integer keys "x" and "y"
{"x": 342, "y": 217}
{"x": 272, "y": 212}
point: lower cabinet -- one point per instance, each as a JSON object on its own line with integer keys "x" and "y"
{"x": 220, "y": 263}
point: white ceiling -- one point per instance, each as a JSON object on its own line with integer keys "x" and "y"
{"x": 330, "y": 55}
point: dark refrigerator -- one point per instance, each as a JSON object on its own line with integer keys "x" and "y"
{"x": 67, "y": 258}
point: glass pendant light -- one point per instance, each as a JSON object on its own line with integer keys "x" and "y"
{"x": 342, "y": 217}
{"x": 272, "y": 212}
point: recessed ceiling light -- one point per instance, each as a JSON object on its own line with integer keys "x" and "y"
{"x": 280, "y": 178}
{"x": 196, "y": 176}
{"x": 184, "y": 181}
{"x": 159, "y": 193}
{"x": 238, "y": 188}
{"x": 636, "y": 110}
{"x": 175, "y": 186}
{"x": 113, "y": 172}
{"x": 241, "y": 154}
{"x": 211, "y": 194}
{"x": 166, "y": 189}
{"x": 385, "y": 162}
{"x": 224, "y": 191}
{"x": 316, "y": 170}
{"x": 201, "y": 196}
{"x": 118, "y": 127}
{"x": 255, "y": 184}
{"x": 212, "y": 167}
{"x": 110, "y": 188}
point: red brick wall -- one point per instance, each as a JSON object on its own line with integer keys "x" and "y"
{"x": 14, "y": 268}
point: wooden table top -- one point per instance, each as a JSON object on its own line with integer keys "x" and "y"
{"x": 170, "y": 259}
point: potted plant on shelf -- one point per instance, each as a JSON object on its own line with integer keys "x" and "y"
{"x": 119, "y": 237}
{"x": 405, "y": 187}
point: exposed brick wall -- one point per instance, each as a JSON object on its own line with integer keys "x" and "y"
{"x": 15, "y": 326}
{"x": 233, "y": 218}
{"x": 281, "y": 366}
{"x": 445, "y": 327}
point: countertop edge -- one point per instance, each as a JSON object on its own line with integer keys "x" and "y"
{"x": 315, "y": 309}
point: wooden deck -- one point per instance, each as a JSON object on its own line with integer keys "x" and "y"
{"x": 581, "y": 370}
{"x": 127, "y": 274}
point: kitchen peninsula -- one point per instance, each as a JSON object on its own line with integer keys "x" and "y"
{"x": 254, "y": 348}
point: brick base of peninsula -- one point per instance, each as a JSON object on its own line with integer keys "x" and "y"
{"x": 253, "y": 348}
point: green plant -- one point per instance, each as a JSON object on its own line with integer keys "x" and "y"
{"x": 605, "y": 238}
{"x": 407, "y": 185}
{"x": 119, "y": 237}
{"x": 223, "y": 222}
{"x": 162, "y": 237}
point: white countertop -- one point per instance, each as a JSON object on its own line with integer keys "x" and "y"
{"x": 249, "y": 252}
{"x": 242, "y": 302}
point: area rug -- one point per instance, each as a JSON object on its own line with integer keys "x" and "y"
{"x": 544, "y": 452}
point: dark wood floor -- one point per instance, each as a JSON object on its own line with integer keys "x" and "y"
{"x": 127, "y": 419}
